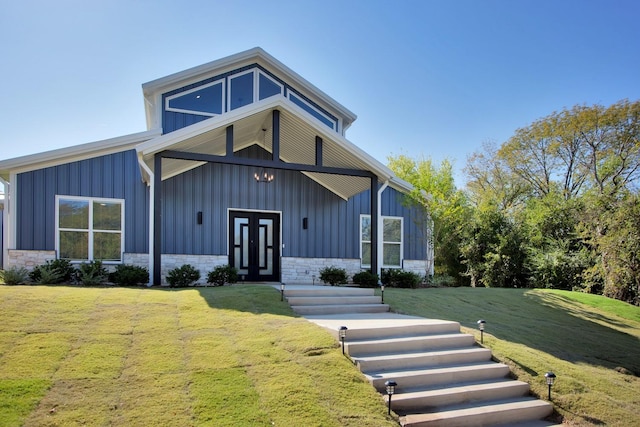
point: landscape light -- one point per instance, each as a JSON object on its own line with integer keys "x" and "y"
{"x": 382, "y": 291}
{"x": 551, "y": 377}
{"x": 481, "y": 324}
{"x": 281, "y": 291}
{"x": 343, "y": 335}
{"x": 391, "y": 388}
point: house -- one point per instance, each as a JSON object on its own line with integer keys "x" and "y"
{"x": 243, "y": 162}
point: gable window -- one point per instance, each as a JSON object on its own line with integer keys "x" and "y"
{"x": 240, "y": 90}
{"x": 391, "y": 241}
{"x": 205, "y": 100}
{"x": 312, "y": 110}
{"x": 267, "y": 87}
{"x": 89, "y": 229}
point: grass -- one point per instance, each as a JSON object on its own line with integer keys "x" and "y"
{"x": 195, "y": 357}
{"x": 590, "y": 342}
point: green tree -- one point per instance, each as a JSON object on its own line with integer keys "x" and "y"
{"x": 445, "y": 206}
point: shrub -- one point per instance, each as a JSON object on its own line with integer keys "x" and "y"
{"x": 53, "y": 272}
{"x": 443, "y": 280}
{"x": 183, "y": 276}
{"x": 396, "y": 278}
{"x": 14, "y": 276}
{"x": 366, "y": 279}
{"x": 334, "y": 275}
{"x": 91, "y": 273}
{"x": 129, "y": 275}
{"x": 222, "y": 274}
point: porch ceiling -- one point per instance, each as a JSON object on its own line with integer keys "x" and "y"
{"x": 297, "y": 145}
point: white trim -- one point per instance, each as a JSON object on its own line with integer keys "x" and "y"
{"x": 90, "y": 230}
{"x": 381, "y": 242}
{"x": 151, "y": 187}
{"x": 195, "y": 89}
{"x": 401, "y": 242}
{"x": 362, "y": 265}
{"x": 380, "y": 253}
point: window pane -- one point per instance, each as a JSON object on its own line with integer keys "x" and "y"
{"x": 74, "y": 245}
{"x": 366, "y": 254}
{"x": 106, "y": 246}
{"x": 241, "y": 91}
{"x": 267, "y": 87}
{"x": 365, "y": 229}
{"x": 392, "y": 230}
{"x": 309, "y": 109}
{"x": 74, "y": 214}
{"x": 206, "y": 100}
{"x": 391, "y": 256}
{"x": 107, "y": 216}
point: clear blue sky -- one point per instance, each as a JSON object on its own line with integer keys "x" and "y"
{"x": 426, "y": 78}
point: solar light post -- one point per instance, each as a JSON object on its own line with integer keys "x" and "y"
{"x": 343, "y": 334}
{"x": 391, "y": 388}
{"x": 481, "y": 324}
{"x": 551, "y": 377}
{"x": 281, "y": 291}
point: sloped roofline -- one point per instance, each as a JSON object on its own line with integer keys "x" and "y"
{"x": 153, "y": 90}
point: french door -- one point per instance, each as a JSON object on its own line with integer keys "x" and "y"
{"x": 254, "y": 245}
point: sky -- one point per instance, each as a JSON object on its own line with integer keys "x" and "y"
{"x": 427, "y": 78}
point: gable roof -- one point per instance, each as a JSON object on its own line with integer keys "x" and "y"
{"x": 154, "y": 89}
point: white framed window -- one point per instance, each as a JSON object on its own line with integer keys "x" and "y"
{"x": 267, "y": 87}
{"x": 205, "y": 100}
{"x": 319, "y": 115}
{"x": 392, "y": 247}
{"x": 89, "y": 228}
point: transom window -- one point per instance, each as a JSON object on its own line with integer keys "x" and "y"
{"x": 391, "y": 241}
{"x": 205, "y": 100}
{"x": 89, "y": 229}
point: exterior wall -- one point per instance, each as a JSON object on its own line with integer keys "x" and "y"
{"x": 28, "y": 259}
{"x": 418, "y": 266}
{"x": 113, "y": 176}
{"x": 307, "y": 270}
{"x": 204, "y": 263}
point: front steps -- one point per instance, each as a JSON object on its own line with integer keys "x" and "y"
{"x": 318, "y": 300}
{"x": 444, "y": 378}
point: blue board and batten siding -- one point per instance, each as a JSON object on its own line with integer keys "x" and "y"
{"x": 111, "y": 176}
{"x": 333, "y": 223}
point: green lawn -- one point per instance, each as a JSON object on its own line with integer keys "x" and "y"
{"x": 236, "y": 355}
{"x": 231, "y": 356}
{"x": 586, "y": 340}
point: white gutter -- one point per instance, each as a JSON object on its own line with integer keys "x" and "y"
{"x": 151, "y": 186}
{"x": 380, "y": 228}
{"x": 5, "y": 221}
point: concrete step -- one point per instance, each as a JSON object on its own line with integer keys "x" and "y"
{"x": 407, "y": 344}
{"x": 403, "y": 361}
{"x": 323, "y": 291}
{"x": 332, "y": 300}
{"x": 340, "y": 308}
{"x": 507, "y": 412}
{"x": 432, "y": 328}
{"x": 455, "y": 395}
{"x": 422, "y": 379}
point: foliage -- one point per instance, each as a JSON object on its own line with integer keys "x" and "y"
{"x": 129, "y": 275}
{"x": 53, "y": 272}
{"x": 444, "y": 208}
{"x": 183, "y": 276}
{"x": 442, "y": 280}
{"x": 91, "y": 273}
{"x": 14, "y": 276}
{"x": 334, "y": 275}
{"x": 366, "y": 279}
{"x": 397, "y": 278}
{"x": 222, "y": 274}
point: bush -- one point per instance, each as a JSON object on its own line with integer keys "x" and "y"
{"x": 53, "y": 272}
{"x": 443, "y": 280}
{"x": 183, "y": 276}
{"x": 91, "y": 273}
{"x": 222, "y": 274}
{"x": 396, "y": 278}
{"x": 14, "y": 276}
{"x": 366, "y": 279}
{"x": 334, "y": 275}
{"x": 129, "y": 275}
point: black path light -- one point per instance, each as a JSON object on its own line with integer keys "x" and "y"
{"x": 481, "y": 324}
{"x": 551, "y": 377}
{"x": 343, "y": 335}
{"x": 281, "y": 291}
{"x": 382, "y": 291}
{"x": 391, "y": 388}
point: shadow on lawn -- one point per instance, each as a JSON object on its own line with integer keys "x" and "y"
{"x": 256, "y": 299}
{"x": 548, "y": 322}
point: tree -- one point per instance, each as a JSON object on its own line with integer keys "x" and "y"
{"x": 446, "y": 207}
